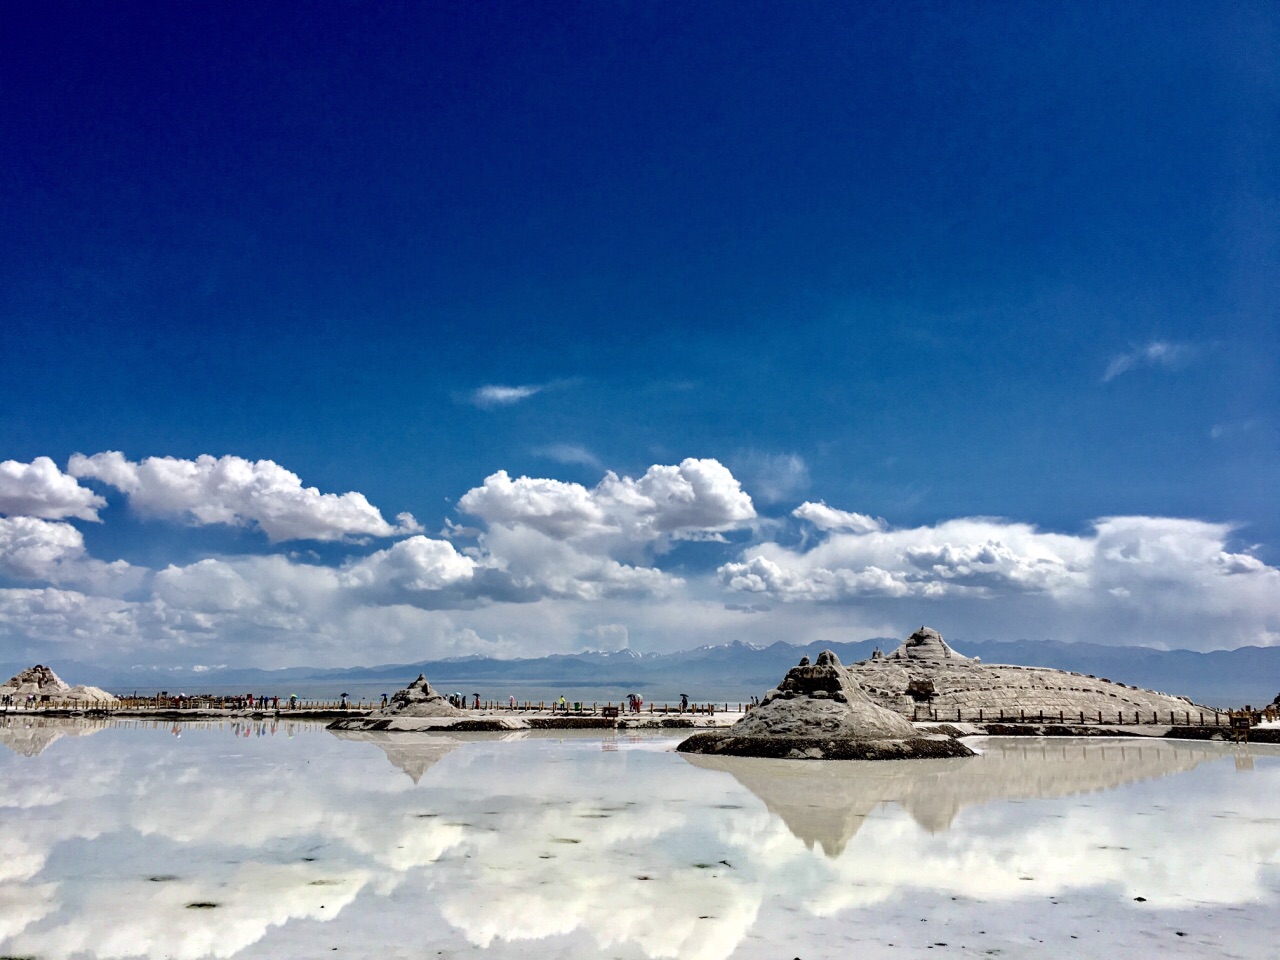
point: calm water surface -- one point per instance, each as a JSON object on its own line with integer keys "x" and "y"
{"x": 253, "y": 840}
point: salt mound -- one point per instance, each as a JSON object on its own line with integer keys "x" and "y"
{"x": 822, "y": 699}
{"x": 89, "y": 694}
{"x": 925, "y": 676}
{"x": 37, "y": 679}
{"x": 419, "y": 700}
{"x": 925, "y": 644}
{"x": 820, "y": 712}
{"x": 41, "y": 682}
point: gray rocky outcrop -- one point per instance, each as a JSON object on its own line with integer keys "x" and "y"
{"x": 818, "y": 711}
{"x": 418, "y": 699}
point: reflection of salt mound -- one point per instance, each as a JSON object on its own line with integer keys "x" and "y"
{"x": 826, "y": 803}
{"x": 30, "y": 736}
{"x": 41, "y": 682}
{"x": 925, "y": 673}
{"x": 820, "y": 712}
{"x": 419, "y": 700}
{"x": 414, "y": 753}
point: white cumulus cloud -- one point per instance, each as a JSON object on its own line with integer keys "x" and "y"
{"x": 1164, "y": 580}
{"x": 35, "y": 549}
{"x": 696, "y": 495}
{"x": 36, "y": 621}
{"x": 418, "y": 564}
{"x": 238, "y": 492}
{"x": 526, "y": 564}
{"x": 40, "y": 489}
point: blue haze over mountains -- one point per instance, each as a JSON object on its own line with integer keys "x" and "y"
{"x": 733, "y": 671}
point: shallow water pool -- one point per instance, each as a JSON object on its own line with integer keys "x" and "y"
{"x": 260, "y": 840}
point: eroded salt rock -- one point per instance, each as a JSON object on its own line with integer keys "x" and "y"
{"x": 420, "y": 700}
{"x": 41, "y": 682}
{"x": 818, "y": 712}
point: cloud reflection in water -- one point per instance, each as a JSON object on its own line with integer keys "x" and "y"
{"x": 468, "y": 841}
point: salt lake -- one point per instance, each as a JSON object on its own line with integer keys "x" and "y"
{"x": 260, "y": 839}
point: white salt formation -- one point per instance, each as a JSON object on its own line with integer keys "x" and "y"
{"x": 821, "y": 699}
{"x": 44, "y": 685}
{"x": 419, "y": 700}
{"x": 925, "y": 675}
{"x": 819, "y": 712}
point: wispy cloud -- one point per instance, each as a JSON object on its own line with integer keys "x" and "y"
{"x": 773, "y": 477}
{"x": 570, "y": 453}
{"x": 498, "y": 395}
{"x": 494, "y": 395}
{"x": 1157, "y": 353}
{"x": 1227, "y": 431}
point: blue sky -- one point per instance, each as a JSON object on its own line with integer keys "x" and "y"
{"x": 999, "y": 279}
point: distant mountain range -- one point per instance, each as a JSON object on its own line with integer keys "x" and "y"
{"x": 731, "y": 671}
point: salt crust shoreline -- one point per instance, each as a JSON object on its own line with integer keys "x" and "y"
{"x": 1267, "y": 733}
